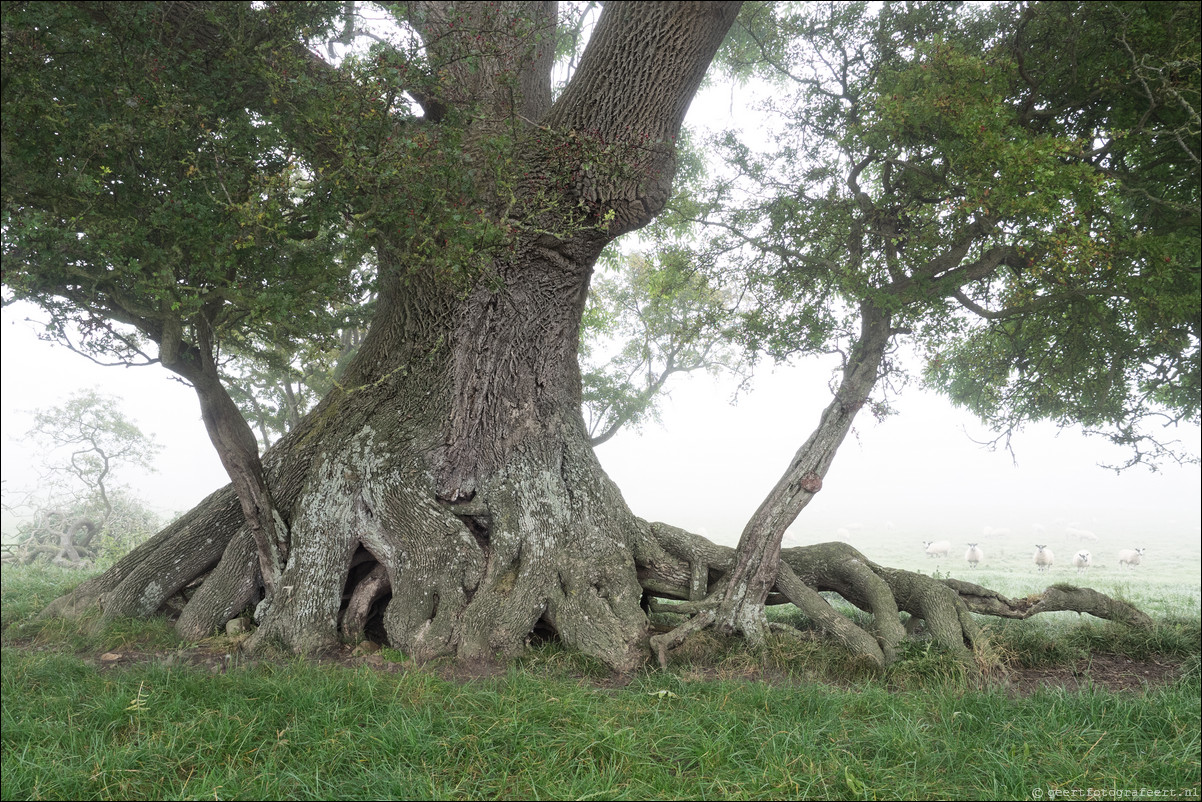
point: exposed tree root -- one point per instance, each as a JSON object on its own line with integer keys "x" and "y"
{"x": 373, "y": 548}
{"x": 944, "y": 607}
{"x": 1053, "y": 599}
{"x": 158, "y": 569}
{"x": 475, "y": 580}
{"x": 227, "y": 590}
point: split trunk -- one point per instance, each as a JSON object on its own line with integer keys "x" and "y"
{"x": 446, "y": 492}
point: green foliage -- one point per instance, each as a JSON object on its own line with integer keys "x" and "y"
{"x": 144, "y": 201}
{"x": 1122, "y": 342}
{"x": 1027, "y": 213}
{"x": 205, "y": 203}
{"x": 221, "y": 204}
{"x": 574, "y": 20}
{"x": 653, "y": 317}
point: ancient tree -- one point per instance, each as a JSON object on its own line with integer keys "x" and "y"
{"x": 449, "y": 472}
{"x": 183, "y": 181}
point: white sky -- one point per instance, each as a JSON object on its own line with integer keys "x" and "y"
{"x": 711, "y": 463}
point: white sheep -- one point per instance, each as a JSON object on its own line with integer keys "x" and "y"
{"x": 1084, "y": 535}
{"x": 938, "y": 548}
{"x": 974, "y": 555}
{"x": 1082, "y": 560}
{"x": 1043, "y": 557}
{"x": 1129, "y": 558}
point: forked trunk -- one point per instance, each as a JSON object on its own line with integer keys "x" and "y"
{"x": 447, "y": 488}
{"x": 758, "y": 554}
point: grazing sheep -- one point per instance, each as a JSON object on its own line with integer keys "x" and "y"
{"x": 974, "y": 555}
{"x": 938, "y": 548}
{"x": 1129, "y": 558}
{"x": 1084, "y": 535}
{"x": 1082, "y": 560}
{"x": 1043, "y": 557}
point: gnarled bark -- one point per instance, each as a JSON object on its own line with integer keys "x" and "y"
{"x": 945, "y": 607}
{"x": 1054, "y": 599}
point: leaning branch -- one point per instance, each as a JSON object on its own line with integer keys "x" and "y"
{"x": 1043, "y": 302}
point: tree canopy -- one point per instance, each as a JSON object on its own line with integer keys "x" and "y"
{"x": 934, "y": 173}
{"x": 1027, "y": 214}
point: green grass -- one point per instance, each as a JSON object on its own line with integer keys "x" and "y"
{"x": 548, "y": 729}
{"x": 304, "y": 731}
{"x": 25, "y": 591}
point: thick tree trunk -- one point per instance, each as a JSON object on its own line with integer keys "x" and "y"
{"x": 446, "y": 488}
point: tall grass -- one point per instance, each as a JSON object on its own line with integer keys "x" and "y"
{"x": 549, "y": 729}
{"x": 309, "y": 732}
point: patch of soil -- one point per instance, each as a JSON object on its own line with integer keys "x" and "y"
{"x": 1110, "y": 671}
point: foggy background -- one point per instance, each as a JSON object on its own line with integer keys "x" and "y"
{"x": 918, "y": 475}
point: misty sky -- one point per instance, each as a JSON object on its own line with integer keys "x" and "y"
{"x": 710, "y": 464}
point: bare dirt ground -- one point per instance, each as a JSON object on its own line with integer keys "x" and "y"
{"x": 1112, "y": 672}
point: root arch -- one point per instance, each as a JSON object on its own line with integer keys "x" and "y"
{"x": 945, "y": 608}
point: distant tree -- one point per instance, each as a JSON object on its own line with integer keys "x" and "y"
{"x": 276, "y": 386}
{"x": 68, "y": 531}
{"x": 652, "y": 317}
{"x": 78, "y": 513}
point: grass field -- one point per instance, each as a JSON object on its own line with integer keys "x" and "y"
{"x": 720, "y": 724}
